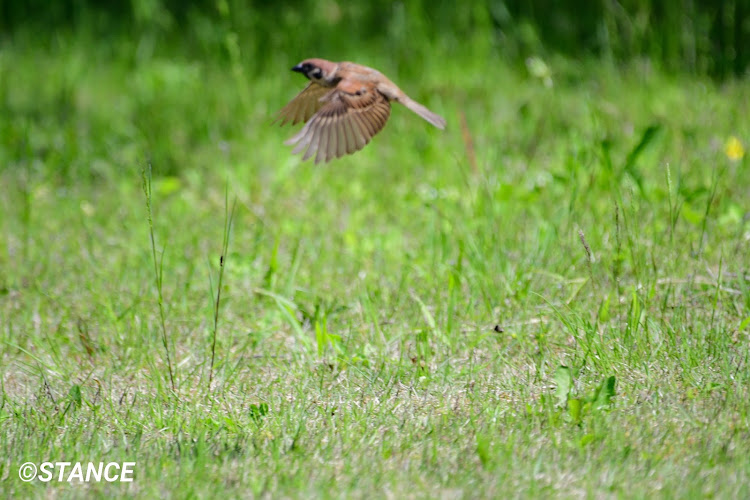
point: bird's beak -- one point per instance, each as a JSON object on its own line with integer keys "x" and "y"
{"x": 297, "y": 68}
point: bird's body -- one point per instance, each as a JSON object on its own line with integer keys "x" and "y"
{"x": 343, "y": 107}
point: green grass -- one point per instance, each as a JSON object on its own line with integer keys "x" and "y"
{"x": 392, "y": 323}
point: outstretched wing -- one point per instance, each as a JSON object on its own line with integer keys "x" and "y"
{"x": 304, "y": 105}
{"x": 348, "y": 119}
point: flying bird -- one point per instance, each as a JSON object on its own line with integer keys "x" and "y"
{"x": 343, "y": 107}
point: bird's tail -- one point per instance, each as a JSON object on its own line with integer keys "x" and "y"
{"x": 425, "y": 113}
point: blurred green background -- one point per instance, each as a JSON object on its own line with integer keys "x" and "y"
{"x": 157, "y": 80}
{"x": 698, "y": 36}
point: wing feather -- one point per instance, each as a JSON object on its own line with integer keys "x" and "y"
{"x": 342, "y": 121}
{"x": 351, "y": 139}
{"x": 304, "y": 105}
{"x": 322, "y": 145}
{"x": 361, "y": 134}
{"x": 332, "y": 146}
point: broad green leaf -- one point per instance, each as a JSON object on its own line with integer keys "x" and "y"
{"x": 483, "y": 449}
{"x": 167, "y": 185}
{"x": 258, "y": 411}
{"x": 574, "y": 409}
{"x": 630, "y": 162}
{"x": 604, "y": 393}
{"x": 75, "y": 395}
{"x": 563, "y": 382}
{"x": 604, "y": 311}
{"x": 586, "y": 439}
{"x": 691, "y": 215}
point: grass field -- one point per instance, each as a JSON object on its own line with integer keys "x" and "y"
{"x": 549, "y": 298}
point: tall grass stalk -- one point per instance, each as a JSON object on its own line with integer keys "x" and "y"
{"x": 158, "y": 268}
{"x": 228, "y": 219}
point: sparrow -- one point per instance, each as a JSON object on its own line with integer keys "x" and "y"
{"x": 343, "y": 107}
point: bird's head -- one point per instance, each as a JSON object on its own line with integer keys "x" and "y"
{"x": 317, "y": 70}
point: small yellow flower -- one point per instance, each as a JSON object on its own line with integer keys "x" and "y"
{"x": 734, "y": 149}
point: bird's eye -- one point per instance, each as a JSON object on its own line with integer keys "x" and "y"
{"x": 316, "y": 73}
